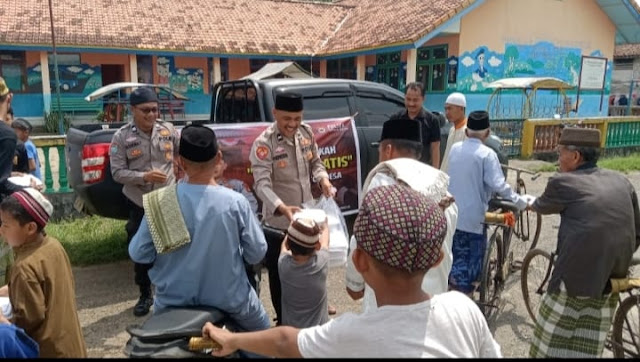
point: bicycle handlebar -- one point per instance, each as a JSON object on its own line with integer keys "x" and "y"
{"x": 534, "y": 176}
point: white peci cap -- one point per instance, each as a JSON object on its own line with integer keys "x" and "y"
{"x": 457, "y": 99}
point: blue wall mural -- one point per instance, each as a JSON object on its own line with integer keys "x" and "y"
{"x": 183, "y": 80}
{"x": 81, "y": 78}
{"x": 478, "y": 68}
{"x": 542, "y": 60}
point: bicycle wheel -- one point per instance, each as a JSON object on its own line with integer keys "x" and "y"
{"x": 536, "y": 269}
{"x": 527, "y": 231}
{"x": 626, "y": 329}
{"x": 490, "y": 280}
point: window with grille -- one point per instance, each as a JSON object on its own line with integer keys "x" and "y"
{"x": 342, "y": 68}
{"x": 13, "y": 70}
{"x": 623, "y": 64}
{"x": 389, "y": 69}
{"x": 311, "y": 67}
{"x": 432, "y": 68}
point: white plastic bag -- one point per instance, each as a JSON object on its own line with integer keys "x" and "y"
{"x": 338, "y": 232}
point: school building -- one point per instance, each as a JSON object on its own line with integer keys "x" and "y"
{"x": 449, "y": 45}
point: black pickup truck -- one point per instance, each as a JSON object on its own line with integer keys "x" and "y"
{"x": 244, "y": 102}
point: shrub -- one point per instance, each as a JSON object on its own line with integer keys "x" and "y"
{"x": 51, "y": 122}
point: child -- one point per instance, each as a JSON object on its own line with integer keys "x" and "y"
{"x": 399, "y": 235}
{"x": 23, "y": 128}
{"x": 303, "y": 266}
{"x": 41, "y": 286}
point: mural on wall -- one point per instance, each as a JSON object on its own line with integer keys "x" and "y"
{"x": 164, "y": 68}
{"x": 481, "y": 66}
{"x": 187, "y": 80}
{"x": 183, "y": 80}
{"x": 542, "y": 59}
{"x": 478, "y": 68}
{"x": 81, "y": 78}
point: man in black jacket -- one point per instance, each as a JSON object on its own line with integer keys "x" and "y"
{"x": 413, "y": 101}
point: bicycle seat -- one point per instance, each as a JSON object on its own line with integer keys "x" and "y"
{"x": 502, "y": 204}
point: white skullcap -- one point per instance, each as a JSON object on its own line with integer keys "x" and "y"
{"x": 457, "y": 99}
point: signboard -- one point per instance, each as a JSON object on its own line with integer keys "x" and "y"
{"x": 592, "y": 73}
{"x": 337, "y": 146}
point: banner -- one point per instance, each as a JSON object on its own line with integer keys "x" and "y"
{"x": 337, "y": 147}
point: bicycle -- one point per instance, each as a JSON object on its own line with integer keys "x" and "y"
{"x": 502, "y": 255}
{"x": 527, "y": 221}
{"x": 624, "y": 338}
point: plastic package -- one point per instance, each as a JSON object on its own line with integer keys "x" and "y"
{"x": 338, "y": 232}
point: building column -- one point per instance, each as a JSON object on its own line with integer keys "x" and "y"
{"x": 361, "y": 66}
{"x": 217, "y": 72}
{"x": 323, "y": 69}
{"x": 412, "y": 62}
{"x": 133, "y": 68}
{"x": 46, "y": 83}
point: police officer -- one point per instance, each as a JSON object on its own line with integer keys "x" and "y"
{"x": 283, "y": 159}
{"x": 142, "y": 156}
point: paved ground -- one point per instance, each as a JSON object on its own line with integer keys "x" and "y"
{"x": 106, "y": 295}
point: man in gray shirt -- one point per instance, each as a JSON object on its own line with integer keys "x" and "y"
{"x": 142, "y": 156}
{"x": 303, "y": 267}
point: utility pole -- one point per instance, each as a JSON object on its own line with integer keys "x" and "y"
{"x": 56, "y": 72}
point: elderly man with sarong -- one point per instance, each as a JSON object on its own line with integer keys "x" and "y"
{"x": 599, "y": 232}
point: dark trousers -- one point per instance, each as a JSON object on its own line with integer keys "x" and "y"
{"x": 141, "y": 271}
{"x": 274, "y": 242}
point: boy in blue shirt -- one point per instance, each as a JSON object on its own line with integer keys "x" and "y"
{"x": 23, "y": 128}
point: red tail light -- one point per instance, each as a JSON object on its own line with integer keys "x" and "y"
{"x": 94, "y": 161}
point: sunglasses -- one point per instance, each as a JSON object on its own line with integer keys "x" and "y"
{"x": 148, "y": 110}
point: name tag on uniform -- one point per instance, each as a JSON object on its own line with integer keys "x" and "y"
{"x": 280, "y": 156}
{"x": 132, "y": 144}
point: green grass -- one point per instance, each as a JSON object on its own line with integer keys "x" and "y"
{"x": 91, "y": 240}
{"x": 623, "y": 164}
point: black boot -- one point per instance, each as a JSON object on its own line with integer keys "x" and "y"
{"x": 144, "y": 303}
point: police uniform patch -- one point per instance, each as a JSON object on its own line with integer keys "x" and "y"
{"x": 136, "y": 152}
{"x": 282, "y": 164}
{"x": 279, "y": 149}
{"x": 114, "y": 148}
{"x": 262, "y": 152}
{"x": 309, "y": 155}
{"x": 131, "y": 139}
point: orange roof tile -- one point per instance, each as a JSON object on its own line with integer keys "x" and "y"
{"x": 267, "y": 27}
{"x": 375, "y": 23}
{"x": 627, "y": 51}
